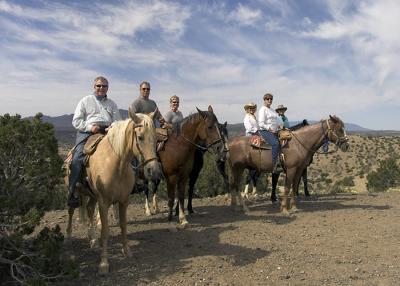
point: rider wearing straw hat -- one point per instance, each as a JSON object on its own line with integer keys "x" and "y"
{"x": 281, "y": 112}
{"x": 268, "y": 123}
{"x": 250, "y": 120}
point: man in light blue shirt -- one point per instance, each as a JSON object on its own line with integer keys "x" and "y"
{"x": 94, "y": 114}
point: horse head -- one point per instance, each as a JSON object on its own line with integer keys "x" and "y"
{"x": 337, "y": 133}
{"x": 144, "y": 144}
{"x": 222, "y": 149}
{"x": 209, "y": 131}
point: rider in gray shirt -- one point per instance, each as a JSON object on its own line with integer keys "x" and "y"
{"x": 145, "y": 105}
{"x": 173, "y": 116}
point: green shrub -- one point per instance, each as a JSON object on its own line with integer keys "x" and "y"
{"x": 386, "y": 176}
{"x": 30, "y": 184}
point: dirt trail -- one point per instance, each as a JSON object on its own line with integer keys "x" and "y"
{"x": 333, "y": 240}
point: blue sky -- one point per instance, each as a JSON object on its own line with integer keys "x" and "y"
{"x": 316, "y": 57}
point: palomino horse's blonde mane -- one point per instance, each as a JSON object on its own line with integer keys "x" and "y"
{"x": 122, "y": 144}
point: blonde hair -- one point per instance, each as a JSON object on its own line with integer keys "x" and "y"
{"x": 173, "y": 97}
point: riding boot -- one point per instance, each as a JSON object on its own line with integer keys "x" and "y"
{"x": 73, "y": 198}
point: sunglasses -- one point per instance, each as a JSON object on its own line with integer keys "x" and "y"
{"x": 175, "y": 102}
{"x": 145, "y": 88}
{"x": 101, "y": 85}
{"x": 268, "y": 99}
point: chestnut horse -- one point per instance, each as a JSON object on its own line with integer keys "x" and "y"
{"x": 111, "y": 178}
{"x": 177, "y": 156}
{"x": 297, "y": 153}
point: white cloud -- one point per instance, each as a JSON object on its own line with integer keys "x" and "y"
{"x": 370, "y": 31}
{"x": 245, "y": 16}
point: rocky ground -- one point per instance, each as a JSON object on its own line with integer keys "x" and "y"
{"x": 342, "y": 239}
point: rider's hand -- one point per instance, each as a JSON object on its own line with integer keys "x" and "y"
{"x": 162, "y": 120}
{"x": 95, "y": 129}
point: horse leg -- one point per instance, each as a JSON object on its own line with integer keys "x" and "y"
{"x": 198, "y": 163}
{"x": 155, "y": 187}
{"x": 181, "y": 201}
{"x": 122, "y": 224}
{"x": 221, "y": 170}
{"x": 91, "y": 208}
{"x": 275, "y": 178}
{"x": 254, "y": 179}
{"x": 171, "y": 199}
{"x": 234, "y": 185}
{"x": 83, "y": 216}
{"x": 69, "y": 226}
{"x": 146, "y": 202}
{"x": 288, "y": 183}
{"x": 295, "y": 190}
{"x": 115, "y": 214}
{"x": 305, "y": 181}
{"x": 104, "y": 265}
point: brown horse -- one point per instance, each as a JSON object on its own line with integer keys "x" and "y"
{"x": 111, "y": 178}
{"x": 297, "y": 153}
{"x": 178, "y": 154}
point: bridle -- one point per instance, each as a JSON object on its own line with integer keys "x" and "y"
{"x": 339, "y": 139}
{"x": 204, "y": 149}
{"x": 338, "y": 142}
{"x": 143, "y": 162}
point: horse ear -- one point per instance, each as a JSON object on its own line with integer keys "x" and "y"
{"x": 333, "y": 118}
{"x": 210, "y": 108}
{"x": 133, "y": 116}
{"x": 151, "y": 115}
{"x": 202, "y": 113}
{"x": 226, "y": 123}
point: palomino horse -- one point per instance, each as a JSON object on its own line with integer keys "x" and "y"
{"x": 111, "y": 178}
{"x": 298, "y": 153}
{"x": 178, "y": 154}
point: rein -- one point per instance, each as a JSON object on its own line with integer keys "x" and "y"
{"x": 326, "y": 139}
{"x": 202, "y": 148}
{"x": 142, "y": 164}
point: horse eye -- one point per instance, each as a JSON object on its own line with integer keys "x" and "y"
{"x": 140, "y": 137}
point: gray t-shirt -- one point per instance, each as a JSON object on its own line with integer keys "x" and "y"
{"x": 173, "y": 117}
{"x": 146, "y": 106}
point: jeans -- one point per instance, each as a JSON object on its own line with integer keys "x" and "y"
{"x": 77, "y": 159}
{"x": 272, "y": 139}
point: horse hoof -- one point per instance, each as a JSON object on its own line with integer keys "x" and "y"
{"x": 148, "y": 213}
{"x": 93, "y": 243}
{"x": 184, "y": 224}
{"x": 294, "y": 209}
{"x": 285, "y": 213}
{"x": 104, "y": 268}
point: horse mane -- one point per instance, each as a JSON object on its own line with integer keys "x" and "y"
{"x": 116, "y": 137}
{"x": 177, "y": 128}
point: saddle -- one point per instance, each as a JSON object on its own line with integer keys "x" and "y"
{"x": 91, "y": 146}
{"x": 256, "y": 141}
{"x": 162, "y": 137}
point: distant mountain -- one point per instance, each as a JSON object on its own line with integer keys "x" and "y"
{"x": 64, "y": 122}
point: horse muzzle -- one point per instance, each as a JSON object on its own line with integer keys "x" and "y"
{"x": 152, "y": 170}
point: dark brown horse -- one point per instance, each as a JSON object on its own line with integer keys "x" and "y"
{"x": 298, "y": 153}
{"x": 178, "y": 154}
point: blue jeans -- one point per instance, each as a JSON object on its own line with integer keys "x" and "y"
{"x": 272, "y": 139}
{"x": 77, "y": 159}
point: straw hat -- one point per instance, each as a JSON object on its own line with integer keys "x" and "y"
{"x": 250, "y": 105}
{"x": 281, "y": 107}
